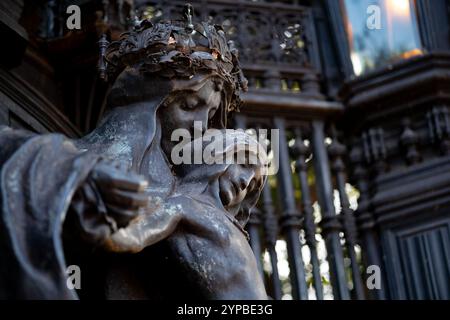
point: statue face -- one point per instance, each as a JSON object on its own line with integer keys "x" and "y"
{"x": 186, "y": 108}
{"x": 237, "y": 182}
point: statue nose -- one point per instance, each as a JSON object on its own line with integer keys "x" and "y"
{"x": 244, "y": 180}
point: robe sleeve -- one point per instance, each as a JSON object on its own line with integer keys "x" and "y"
{"x": 39, "y": 175}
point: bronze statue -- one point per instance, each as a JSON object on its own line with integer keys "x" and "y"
{"x": 204, "y": 222}
{"x": 165, "y": 77}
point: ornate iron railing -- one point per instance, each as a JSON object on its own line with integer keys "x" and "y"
{"x": 276, "y": 41}
{"x": 311, "y": 174}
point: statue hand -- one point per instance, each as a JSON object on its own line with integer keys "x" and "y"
{"x": 122, "y": 191}
{"x": 125, "y": 240}
{"x": 147, "y": 229}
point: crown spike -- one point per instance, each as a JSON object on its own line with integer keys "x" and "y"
{"x": 167, "y": 48}
{"x": 189, "y": 14}
{"x": 102, "y": 65}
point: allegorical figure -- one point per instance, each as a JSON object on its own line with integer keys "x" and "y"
{"x": 204, "y": 220}
{"x": 163, "y": 77}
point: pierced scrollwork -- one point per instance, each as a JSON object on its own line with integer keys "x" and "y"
{"x": 261, "y": 35}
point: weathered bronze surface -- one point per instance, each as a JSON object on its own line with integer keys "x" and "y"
{"x": 81, "y": 201}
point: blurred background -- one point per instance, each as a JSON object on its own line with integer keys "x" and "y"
{"x": 360, "y": 93}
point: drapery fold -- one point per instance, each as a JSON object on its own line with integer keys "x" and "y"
{"x": 34, "y": 202}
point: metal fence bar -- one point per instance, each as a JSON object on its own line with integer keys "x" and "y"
{"x": 301, "y": 152}
{"x": 365, "y": 220}
{"x": 271, "y": 236}
{"x": 291, "y": 218}
{"x": 270, "y": 223}
{"x": 337, "y": 151}
{"x": 330, "y": 222}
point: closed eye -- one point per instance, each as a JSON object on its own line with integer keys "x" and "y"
{"x": 189, "y": 103}
{"x": 187, "y": 106}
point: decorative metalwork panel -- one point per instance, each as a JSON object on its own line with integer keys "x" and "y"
{"x": 263, "y": 32}
{"x": 276, "y": 41}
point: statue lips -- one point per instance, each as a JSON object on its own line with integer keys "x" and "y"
{"x": 230, "y": 192}
{"x": 239, "y": 193}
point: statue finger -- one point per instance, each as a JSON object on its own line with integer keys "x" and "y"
{"x": 130, "y": 182}
{"x": 124, "y": 241}
{"x": 112, "y": 178}
{"x": 124, "y": 199}
{"x": 122, "y": 217}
